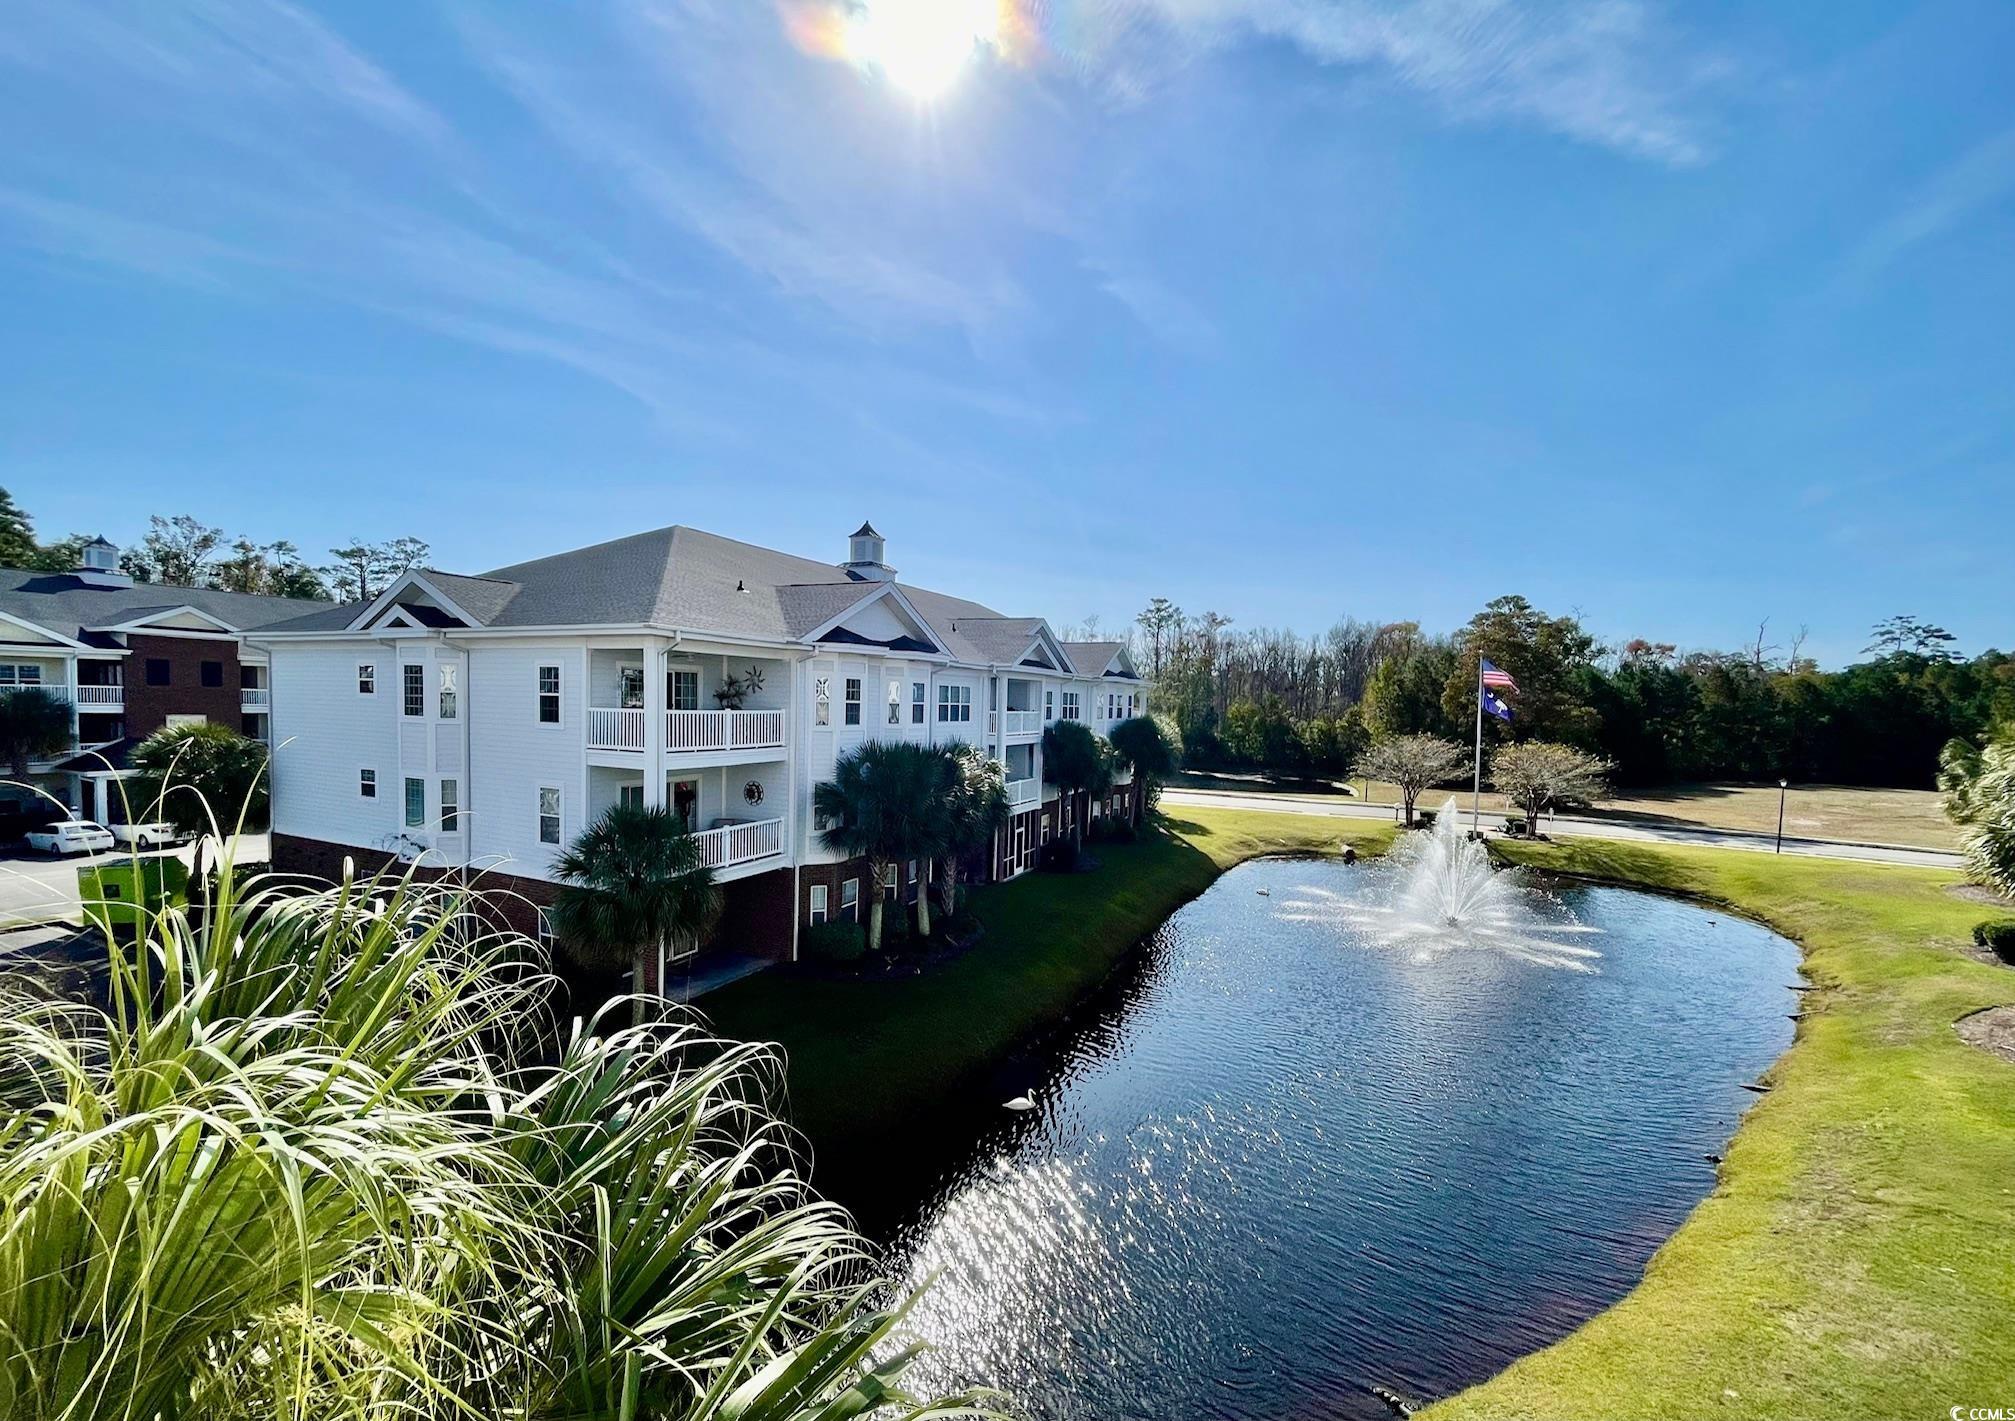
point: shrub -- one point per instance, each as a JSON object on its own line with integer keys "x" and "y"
{"x": 1514, "y": 825}
{"x": 834, "y": 942}
{"x": 1999, "y": 936}
{"x": 1058, "y": 856}
{"x": 1423, "y": 819}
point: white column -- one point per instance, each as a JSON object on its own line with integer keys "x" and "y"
{"x": 654, "y": 724}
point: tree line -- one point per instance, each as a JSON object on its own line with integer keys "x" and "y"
{"x": 1274, "y": 699}
{"x": 184, "y": 551}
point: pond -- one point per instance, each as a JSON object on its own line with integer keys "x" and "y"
{"x": 1299, "y": 1154}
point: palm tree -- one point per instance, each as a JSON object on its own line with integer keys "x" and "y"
{"x": 1076, "y": 762}
{"x": 885, "y": 803}
{"x": 1143, "y": 744}
{"x": 1979, "y": 789}
{"x": 635, "y": 884}
{"x": 207, "y": 765}
{"x": 34, "y": 725}
{"x": 294, "y": 1168}
{"x": 976, "y": 807}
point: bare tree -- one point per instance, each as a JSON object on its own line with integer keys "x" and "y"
{"x": 363, "y": 570}
{"x": 1412, "y": 764}
{"x": 1538, "y": 774}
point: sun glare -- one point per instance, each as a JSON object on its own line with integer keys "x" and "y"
{"x": 921, "y": 46}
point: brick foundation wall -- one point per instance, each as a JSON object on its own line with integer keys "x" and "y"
{"x": 513, "y": 899}
{"x": 832, "y": 874}
{"x": 756, "y": 916}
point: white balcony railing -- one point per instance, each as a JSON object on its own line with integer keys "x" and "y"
{"x": 254, "y": 696}
{"x": 723, "y": 730}
{"x": 1023, "y": 792}
{"x": 687, "y": 732}
{"x": 94, "y": 695}
{"x": 1024, "y": 722}
{"x": 616, "y": 729}
{"x": 733, "y": 844}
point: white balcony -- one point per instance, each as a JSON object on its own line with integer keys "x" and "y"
{"x": 93, "y": 697}
{"x": 733, "y": 844}
{"x": 1023, "y": 722}
{"x": 688, "y": 732}
{"x": 723, "y": 730}
{"x": 251, "y": 697}
{"x": 1022, "y": 793}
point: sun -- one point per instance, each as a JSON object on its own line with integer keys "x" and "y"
{"x": 921, "y": 46}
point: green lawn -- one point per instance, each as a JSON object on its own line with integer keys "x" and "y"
{"x": 1858, "y": 1256}
{"x": 864, "y": 1053}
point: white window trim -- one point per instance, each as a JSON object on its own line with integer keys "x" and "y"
{"x": 543, "y": 929}
{"x": 442, "y": 804}
{"x": 820, "y": 909}
{"x": 558, "y": 693}
{"x": 855, "y": 885}
{"x": 559, "y": 816}
{"x": 367, "y": 678}
{"x": 852, "y": 691}
{"x": 407, "y": 672}
{"x": 406, "y": 801}
{"x": 680, "y": 673}
{"x": 363, "y": 770}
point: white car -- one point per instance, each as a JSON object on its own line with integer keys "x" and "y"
{"x": 147, "y": 836}
{"x": 71, "y": 836}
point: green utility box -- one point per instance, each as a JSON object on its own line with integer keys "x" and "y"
{"x": 117, "y": 893}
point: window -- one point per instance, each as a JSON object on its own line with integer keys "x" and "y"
{"x": 818, "y": 914}
{"x": 630, "y": 796}
{"x": 890, "y": 877}
{"x": 413, "y": 690}
{"x": 1070, "y": 705}
{"x": 895, "y": 703}
{"x": 22, "y": 674}
{"x": 916, "y": 703}
{"x": 212, "y": 673}
{"x": 543, "y": 926}
{"x": 367, "y": 679}
{"x": 157, "y": 671}
{"x": 1049, "y": 704}
{"x": 549, "y": 698}
{"x": 685, "y": 690}
{"x": 447, "y": 693}
{"x": 955, "y": 703}
{"x": 416, "y": 803}
{"x": 367, "y": 784}
{"x": 451, "y": 807}
{"x": 850, "y": 900}
{"x": 911, "y": 896}
{"x": 630, "y": 687}
{"x": 549, "y": 816}
{"x": 853, "y": 700}
{"x": 822, "y": 701}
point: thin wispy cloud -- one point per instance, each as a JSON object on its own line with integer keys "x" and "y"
{"x": 1978, "y": 179}
{"x": 215, "y": 51}
{"x": 1605, "y": 72}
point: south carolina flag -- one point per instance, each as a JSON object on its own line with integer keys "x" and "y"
{"x": 1494, "y": 704}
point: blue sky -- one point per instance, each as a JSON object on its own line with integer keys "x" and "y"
{"x": 1676, "y": 316}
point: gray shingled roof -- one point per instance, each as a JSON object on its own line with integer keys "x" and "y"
{"x": 1002, "y": 639}
{"x": 1090, "y": 658}
{"x": 65, "y": 604}
{"x": 700, "y": 582}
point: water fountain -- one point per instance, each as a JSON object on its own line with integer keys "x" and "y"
{"x": 1446, "y": 896}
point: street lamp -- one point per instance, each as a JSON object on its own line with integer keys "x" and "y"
{"x": 1782, "y": 786}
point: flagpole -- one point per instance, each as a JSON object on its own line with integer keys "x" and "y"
{"x": 1476, "y": 793}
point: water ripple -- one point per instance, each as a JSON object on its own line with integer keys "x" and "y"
{"x": 1290, "y": 1162}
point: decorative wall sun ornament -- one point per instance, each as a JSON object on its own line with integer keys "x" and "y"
{"x": 753, "y": 791}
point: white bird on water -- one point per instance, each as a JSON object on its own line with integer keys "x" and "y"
{"x": 1021, "y": 1102}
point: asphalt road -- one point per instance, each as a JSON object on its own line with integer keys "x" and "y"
{"x": 41, "y": 888}
{"x": 1570, "y": 826}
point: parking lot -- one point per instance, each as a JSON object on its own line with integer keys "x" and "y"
{"x": 41, "y": 888}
